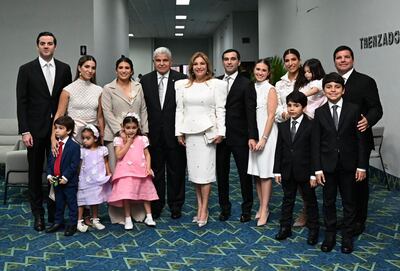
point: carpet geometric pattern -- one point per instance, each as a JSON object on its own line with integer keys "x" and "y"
{"x": 181, "y": 245}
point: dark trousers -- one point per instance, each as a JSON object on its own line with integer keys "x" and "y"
{"x": 361, "y": 198}
{"x": 241, "y": 156}
{"x": 345, "y": 181}
{"x": 36, "y": 157}
{"x": 171, "y": 161}
{"x": 66, "y": 195}
{"x": 289, "y": 197}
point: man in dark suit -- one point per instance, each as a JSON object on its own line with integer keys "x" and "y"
{"x": 166, "y": 153}
{"x": 241, "y": 135}
{"x": 293, "y": 167}
{"x": 361, "y": 90}
{"x": 340, "y": 159}
{"x": 39, "y": 85}
{"x": 63, "y": 170}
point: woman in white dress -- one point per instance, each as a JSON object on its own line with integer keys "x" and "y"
{"x": 200, "y": 125}
{"x": 292, "y": 62}
{"x": 261, "y": 160}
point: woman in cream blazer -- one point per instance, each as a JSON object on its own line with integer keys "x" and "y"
{"x": 200, "y": 125}
{"x": 119, "y": 97}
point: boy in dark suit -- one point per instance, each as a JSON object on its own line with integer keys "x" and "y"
{"x": 62, "y": 173}
{"x": 293, "y": 167}
{"x": 340, "y": 158}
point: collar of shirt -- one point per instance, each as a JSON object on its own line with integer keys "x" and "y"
{"x": 64, "y": 141}
{"x": 347, "y": 75}
{"x": 339, "y": 103}
{"x": 299, "y": 119}
{"x": 232, "y": 76}
{"x": 159, "y": 75}
{"x": 44, "y": 62}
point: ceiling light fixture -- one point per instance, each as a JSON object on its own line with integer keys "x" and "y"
{"x": 179, "y": 27}
{"x": 130, "y": 35}
{"x": 182, "y": 2}
{"x": 178, "y": 34}
{"x": 180, "y": 17}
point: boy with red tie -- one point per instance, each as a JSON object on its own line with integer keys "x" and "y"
{"x": 62, "y": 173}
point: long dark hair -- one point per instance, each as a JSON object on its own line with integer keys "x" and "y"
{"x": 82, "y": 61}
{"x": 316, "y": 70}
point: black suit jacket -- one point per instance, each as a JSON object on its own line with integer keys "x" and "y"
{"x": 240, "y": 116}
{"x": 361, "y": 89}
{"x": 161, "y": 121}
{"x": 347, "y": 145}
{"x": 35, "y": 105}
{"x": 294, "y": 158}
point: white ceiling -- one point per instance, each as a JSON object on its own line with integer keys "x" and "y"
{"x": 156, "y": 18}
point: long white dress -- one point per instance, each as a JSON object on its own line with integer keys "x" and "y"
{"x": 261, "y": 163}
{"x": 200, "y": 116}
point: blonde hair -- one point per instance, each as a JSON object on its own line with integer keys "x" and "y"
{"x": 192, "y": 76}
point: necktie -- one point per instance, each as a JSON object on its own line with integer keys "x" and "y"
{"x": 335, "y": 116}
{"x": 228, "y": 79}
{"x": 293, "y": 130}
{"x": 57, "y": 163}
{"x": 161, "y": 90}
{"x": 49, "y": 78}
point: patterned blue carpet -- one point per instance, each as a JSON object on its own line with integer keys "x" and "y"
{"x": 181, "y": 245}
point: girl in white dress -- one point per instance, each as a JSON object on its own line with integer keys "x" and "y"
{"x": 199, "y": 126}
{"x": 261, "y": 161}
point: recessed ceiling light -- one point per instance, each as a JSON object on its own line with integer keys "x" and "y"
{"x": 178, "y": 34}
{"x": 179, "y": 27}
{"x": 182, "y": 2}
{"x": 180, "y": 17}
{"x": 130, "y": 35}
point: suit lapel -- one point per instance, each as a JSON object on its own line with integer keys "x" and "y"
{"x": 301, "y": 128}
{"x": 65, "y": 152}
{"x": 170, "y": 89}
{"x": 343, "y": 114}
{"x": 286, "y": 133}
{"x": 328, "y": 115}
{"x": 155, "y": 94}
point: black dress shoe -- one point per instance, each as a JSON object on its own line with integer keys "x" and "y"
{"x": 312, "y": 237}
{"x": 347, "y": 246}
{"x": 38, "y": 224}
{"x": 224, "y": 216}
{"x": 175, "y": 214}
{"x": 53, "y": 228}
{"x": 70, "y": 230}
{"x": 329, "y": 243}
{"x": 245, "y": 218}
{"x": 283, "y": 233}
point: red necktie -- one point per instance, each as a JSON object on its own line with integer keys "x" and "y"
{"x": 57, "y": 163}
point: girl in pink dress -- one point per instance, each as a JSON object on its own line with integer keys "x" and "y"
{"x": 132, "y": 178}
{"x": 94, "y": 186}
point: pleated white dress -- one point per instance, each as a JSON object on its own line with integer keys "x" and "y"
{"x": 261, "y": 163}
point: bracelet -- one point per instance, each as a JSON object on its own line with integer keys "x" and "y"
{"x": 265, "y": 137}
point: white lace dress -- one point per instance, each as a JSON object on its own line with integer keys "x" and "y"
{"x": 83, "y": 104}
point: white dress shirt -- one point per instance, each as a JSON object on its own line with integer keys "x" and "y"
{"x": 232, "y": 78}
{"x": 347, "y": 75}
{"x": 52, "y": 66}
{"x": 165, "y": 81}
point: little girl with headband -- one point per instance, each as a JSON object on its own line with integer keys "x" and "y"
{"x": 94, "y": 186}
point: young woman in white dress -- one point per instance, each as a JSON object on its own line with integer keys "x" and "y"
{"x": 261, "y": 161}
{"x": 199, "y": 126}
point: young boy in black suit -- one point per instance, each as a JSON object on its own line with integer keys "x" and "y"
{"x": 62, "y": 173}
{"x": 340, "y": 159}
{"x": 293, "y": 167}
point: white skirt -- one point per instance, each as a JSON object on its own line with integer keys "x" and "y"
{"x": 201, "y": 159}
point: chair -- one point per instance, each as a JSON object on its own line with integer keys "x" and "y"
{"x": 377, "y": 133}
{"x": 16, "y": 170}
{"x": 8, "y": 137}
